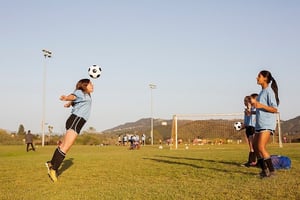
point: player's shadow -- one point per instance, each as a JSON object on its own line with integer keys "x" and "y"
{"x": 174, "y": 162}
{"x": 65, "y": 165}
{"x": 179, "y": 161}
{"x": 205, "y": 160}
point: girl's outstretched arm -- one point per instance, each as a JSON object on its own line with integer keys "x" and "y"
{"x": 67, "y": 105}
{"x": 70, "y": 97}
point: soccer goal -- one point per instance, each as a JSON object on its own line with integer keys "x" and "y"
{"x": 211, "y": 129}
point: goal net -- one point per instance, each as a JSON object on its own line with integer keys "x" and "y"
{"x": 211, "y": 129}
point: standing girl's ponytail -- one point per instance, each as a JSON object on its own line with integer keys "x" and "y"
{"x": 270, "y": 79}
{"x": 275, "y": 89}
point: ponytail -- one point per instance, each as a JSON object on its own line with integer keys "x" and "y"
{"x": 270, "y": 79}
{"x": 275, "y": 89}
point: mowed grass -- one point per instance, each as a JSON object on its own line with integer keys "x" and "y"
{"x": 112, "y": 172}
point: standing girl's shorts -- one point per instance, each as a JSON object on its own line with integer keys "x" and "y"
{"x": 272, "y": 132}
{"x": 75, "y": 123}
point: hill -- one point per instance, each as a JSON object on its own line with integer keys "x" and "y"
{"x": 140, "y": 126}
{"x": 196, "y": 129}
{"x": 189, "y": 129}
{"x": 162, "y": 128}
{"x": 291, "y": 126}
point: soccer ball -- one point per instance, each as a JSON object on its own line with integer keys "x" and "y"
{"x": 238, "y": 126}
{"x": 94, "y": 71}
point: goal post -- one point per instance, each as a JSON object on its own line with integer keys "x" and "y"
{"x": 210, "y": 129}
{"x": 278, "y": 121}
{"x": 174, "y": 135}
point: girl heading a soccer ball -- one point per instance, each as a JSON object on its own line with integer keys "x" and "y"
{"x": 81, "y": 102}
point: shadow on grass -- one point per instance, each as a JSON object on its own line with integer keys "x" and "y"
{"x": 206, "y": 160}
{"x": 174, "y": 162}
{"x": 228, "y": 169}
{"x": 65, "y": 165}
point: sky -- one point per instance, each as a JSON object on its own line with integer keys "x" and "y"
{"x": 203, "y": 56}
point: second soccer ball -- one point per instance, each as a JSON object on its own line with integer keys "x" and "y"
{"x": 238, "y": 126}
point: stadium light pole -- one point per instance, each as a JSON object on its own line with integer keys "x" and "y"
{"x": 47, "y": 54}
{"x": 152, "y": 86}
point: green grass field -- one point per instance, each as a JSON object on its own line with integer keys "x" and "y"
{"x": 111, "y": 172}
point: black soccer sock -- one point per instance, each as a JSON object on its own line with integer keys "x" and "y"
{"x": 264, "y": 169}
{"x": 57, "y": 158}
{"x": 262, "y": 164}
{"x": 269, "y": 164}
{"x": 252, "y": 157}
{"x": 249, "y": 157}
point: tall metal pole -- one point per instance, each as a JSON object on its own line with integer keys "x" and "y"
{"x": 152, "y": 86}
{"x": 47, "y": 54}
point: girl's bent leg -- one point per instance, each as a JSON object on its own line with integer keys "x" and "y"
{"x": 68, "y": 140}
{"x": 60, "y": 152}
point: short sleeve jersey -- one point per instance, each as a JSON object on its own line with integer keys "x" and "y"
{"x": 264, "y": 119}
{"x": 249, "y": 120}
{"x": 82, "y": 104}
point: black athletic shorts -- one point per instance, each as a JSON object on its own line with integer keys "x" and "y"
{"x": 76, "y": 123}
{"x": 250, "y": 130}
{"x": 272, "y": 132}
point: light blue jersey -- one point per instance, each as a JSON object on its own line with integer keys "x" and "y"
{"x": 264, "y": 119}
{"x": 82, "y": 104}
{"x": 250, "y": 120}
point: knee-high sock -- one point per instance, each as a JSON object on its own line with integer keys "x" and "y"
{"x": 252, "y": 157}
{"x": 249, "y": 157}
{"x": 269, "y": 164}
{"x": 262, "y": 164}
{"x": 57, "y": 159}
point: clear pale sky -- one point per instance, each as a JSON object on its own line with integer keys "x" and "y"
{"x": 204, "y": 57}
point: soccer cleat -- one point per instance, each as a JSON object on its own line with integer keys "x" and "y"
{"x": 266, "y": 173}
{"x": 51, "y": 172}
{"x": 247, "y": 164}
{"x": 48, "y": 165}
{"x": 52, "y": 175}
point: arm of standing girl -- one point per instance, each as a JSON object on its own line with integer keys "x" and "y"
{"x": 265, "y": 107}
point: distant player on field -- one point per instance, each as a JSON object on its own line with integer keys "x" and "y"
{"x": 29, "y": 141}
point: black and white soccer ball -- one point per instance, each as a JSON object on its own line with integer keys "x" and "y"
{"x": 94, "y": 71}
{"x": 238, "y": 126}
